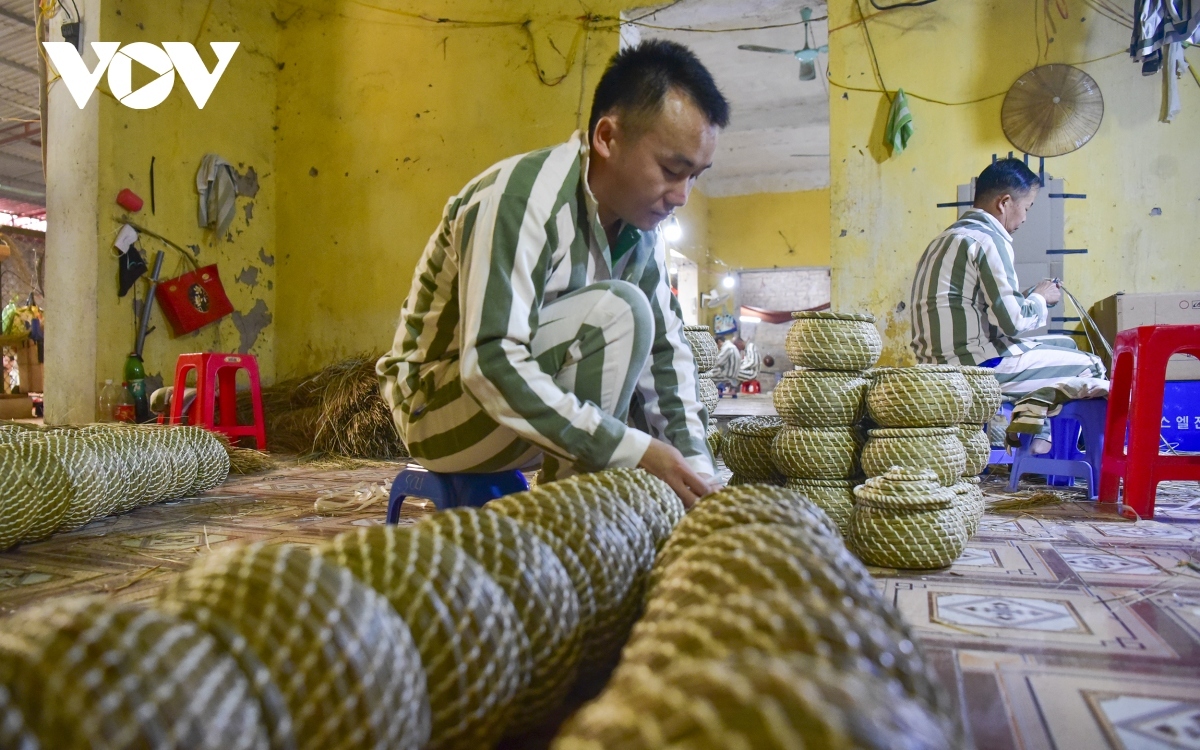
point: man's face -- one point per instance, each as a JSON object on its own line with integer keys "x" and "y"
{"x": 1015, "y": 208}
{"x": 641, "y": 178}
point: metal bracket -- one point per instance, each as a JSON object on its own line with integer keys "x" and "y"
{"x": 1082, "y": 251}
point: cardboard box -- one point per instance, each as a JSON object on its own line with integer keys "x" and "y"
{"x": 1121, "y": 311}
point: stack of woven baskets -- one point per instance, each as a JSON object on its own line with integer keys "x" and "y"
{"x": 704, "y": 349}
{"x": 822, "y": 404}
{"x": 923, "y": 414}
{"x": 61, "y": 478}
{"x": 762, "y": 631}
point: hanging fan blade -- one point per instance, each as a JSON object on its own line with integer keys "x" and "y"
{"x": 771, "y": 50}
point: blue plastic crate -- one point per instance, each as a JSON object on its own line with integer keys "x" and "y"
{"x": 1181, "y": 414}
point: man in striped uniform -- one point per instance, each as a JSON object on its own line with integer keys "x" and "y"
{"x": 541, "y": 312}
{"x": 966, "y": 308}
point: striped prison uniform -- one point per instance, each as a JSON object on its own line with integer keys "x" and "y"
{"x": 526, "y": 338}
{"x": 966, "y": 310}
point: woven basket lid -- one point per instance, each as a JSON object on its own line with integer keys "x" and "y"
{"x": 912, "y": 432}
{"x": 917, "y": 370}
{"x": 965, "y": 485}
{"x": 977, "y": 372}
{"x": 841, "y": 484}
{"x": 808, "y": 373}
{"x": 905, "y": 489}
{"x": 826, "y": 315}
{"x": 698, "y": 329}
{"x": 756, "y": 426}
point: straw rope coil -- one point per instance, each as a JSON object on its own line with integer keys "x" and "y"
{"x": 747, "y": 447}
{"x": 985, "y": 394}
{"x": 833, "y": 341}
{"x": 537, "y": 584}
{"x": 817, "y": 452}
{"x": 904, "y": 519}
{"x": 978, "y": 449}
{"x": 709, "y": 395}
{"x": 332, "y": 663}
{"x": 834, "y": 496}
{"x": 704, "y": 346}
{"x": 610, "y": 504}
{"x": 918, "y": 396}
{"x": 752, "y": 700}
{"x": 738, "y": 506}
{"x": 970, "y": 503}
{"x": 935, "y": 448}
{"x": 821, "y": 398}
{"x": 475, "y": 652}
{"x": 650, "y": 497}
{"x": 86, "y": 672}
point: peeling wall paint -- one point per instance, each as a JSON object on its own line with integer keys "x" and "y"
{"x": 249, "y": 276}
{"x": 250, "y": 325}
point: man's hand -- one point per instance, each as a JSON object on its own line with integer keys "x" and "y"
{"x": 665, "y": 462}
{"x": 1050, "y": 291}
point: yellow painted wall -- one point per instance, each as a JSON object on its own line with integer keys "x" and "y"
{"x": 764, "y": 230}
{"x": 883, "y": 209}
{"x": 382, "y": 117}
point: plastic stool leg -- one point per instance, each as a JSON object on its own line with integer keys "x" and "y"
{"x": 1113, "y": 464}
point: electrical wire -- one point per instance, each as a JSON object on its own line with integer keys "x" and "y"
{"x": 862, "y": 17}
{"x": 1087, "y": 321}
{"x": 908, "y": 4}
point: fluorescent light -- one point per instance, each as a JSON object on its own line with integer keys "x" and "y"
{"x": 672, "y": 232}
{"x": 728, "y": 281}
{"x": 750, "y": 319}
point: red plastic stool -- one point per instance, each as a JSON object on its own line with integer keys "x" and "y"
{"x": 1135, "y": 403}
{"x": 219, "y": 372}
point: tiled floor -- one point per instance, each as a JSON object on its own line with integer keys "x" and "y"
{"x": 1060, "y": 627}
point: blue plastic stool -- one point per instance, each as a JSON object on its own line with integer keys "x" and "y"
{"x": 451, "y": 490}
{"x": 1066, "y": 461}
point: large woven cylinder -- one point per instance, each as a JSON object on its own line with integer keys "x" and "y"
{"x": 904, "y": 519}
{"x": 752, "y": 700}
{"x": 609, "y": 503}
{"x": 764, "y": 557}
{"x": 834, "y": 496}
{"x": 537, "y": 584}
{"x": 709, "y": 395}
{"x": 817, "y": 452}
{"x": 51, "y": 485}
{"x": 650, "y": 497}
{"x": 833, "y": 341}
{"x": 85, "y": 672}
{"x": 86, "y": 475}
{"x": 704, "y": 346}
{"x": 935, "y": 448}
{"x": 19, "y": 504}
{"x": 333, "y": 665}
{"x": 473, "y": 647}
{"x": 747, "y": 447}
{"x": 821, "y": 398}
{"x": 970, "y": 503}
{"x": 975, "y": 442}
{"x": 738, "y": 506}
{"x": 562, "y": 519}
{"x": 985, "y": 394}
{"x": 919, "y": 396}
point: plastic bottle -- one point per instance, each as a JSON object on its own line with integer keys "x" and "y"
{"x": 110, "y": 396}
{"x": 135, "y": 374}
{"x": 125, "y": 410}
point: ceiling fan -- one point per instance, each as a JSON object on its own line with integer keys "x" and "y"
{"x": 807, "y": 56}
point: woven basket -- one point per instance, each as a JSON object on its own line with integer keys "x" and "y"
{"x": 817, "y": 452}
{"x": 904, "y": 519}
{"x": 297, "y": 624}
{"x": 747, "y": 447}
{"x": 934, "y": 448}
{"x": 704, "y": 346}
{"x": 739, "y": 481}
{"x": 919, "y": 396}
{"x": 833, "y": 341}
{"x": 985, "y": 394}
{"x": 970, "y": 503}
{"x": 752, "y": 700}
{"x": 779, "y": 623}
{"x": 650, "y": 497}
{"x": 90, "y": 672}
{"x": 834, "y": 496}
{"x": 714, "y": 439}
{"x": 537, "y": 584}
{"x": 765, "y": 557}
{"x": 738, "y": 506}
{"x": 821, "y": 398}
{"x": 473, "y": 648}
{"x": 975, "y": 442}
{"x": 612, "y": 504}
{"x": 709, "y": 395}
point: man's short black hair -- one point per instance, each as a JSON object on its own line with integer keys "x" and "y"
{"x": 638, "y": 78}
{"x": 1010, "y": 176}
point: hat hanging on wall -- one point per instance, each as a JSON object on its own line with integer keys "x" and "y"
{"x": 1052, "y": 110}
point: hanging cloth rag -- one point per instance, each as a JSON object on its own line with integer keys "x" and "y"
{"x": 899, "y": 124}
{"x": 1157, "y": 24}
{"x": 217, "y": 184}
{"x": 1176, "y": 66}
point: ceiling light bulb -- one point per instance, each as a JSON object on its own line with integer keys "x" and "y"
{"x": 672, "y": 231}
{"x": 808, "y": 70}
{"x": 727, "y": 282}
{"x": 749, "y": 318}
